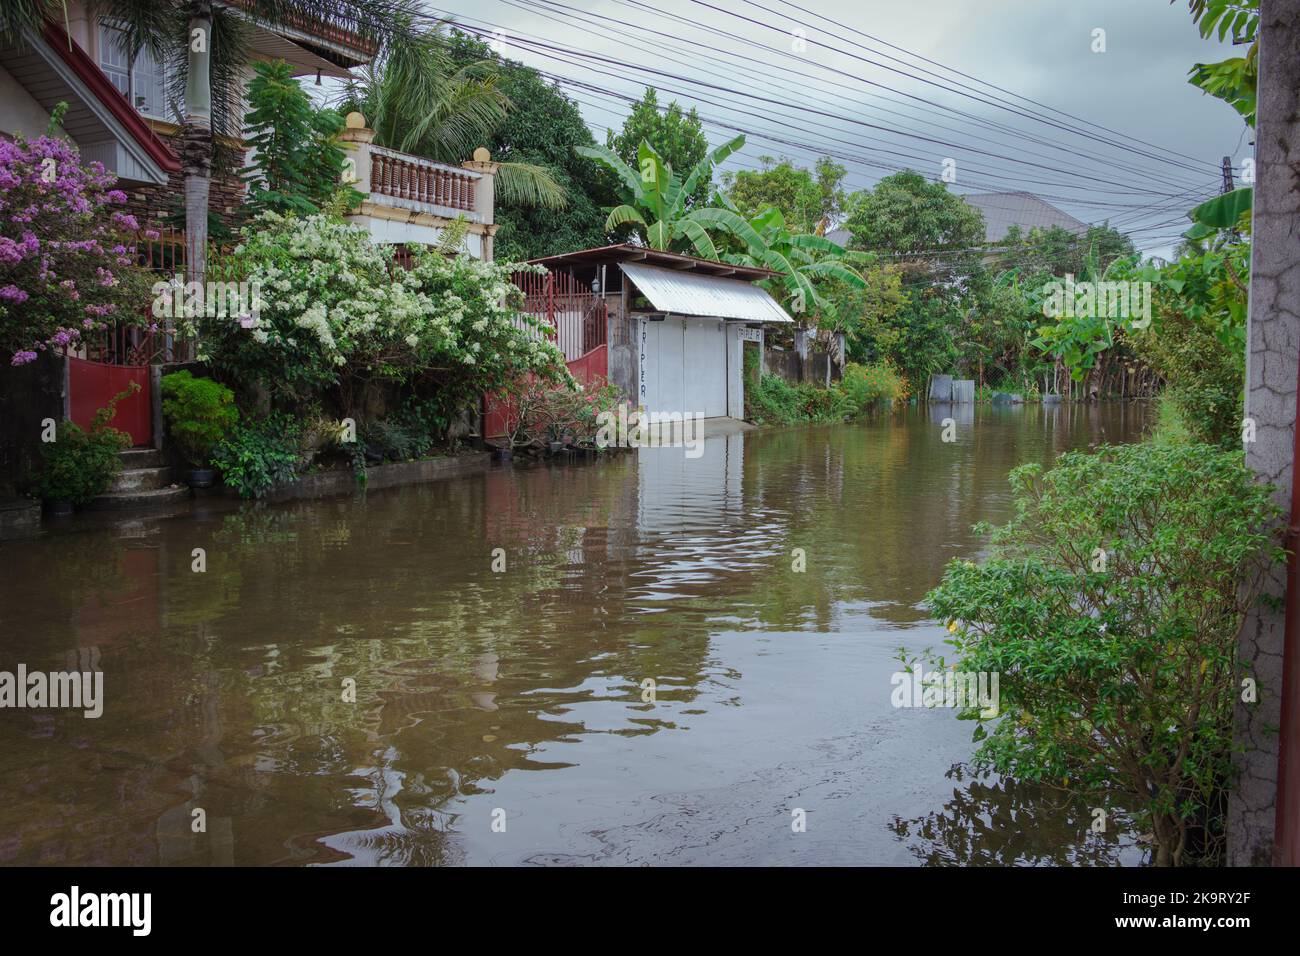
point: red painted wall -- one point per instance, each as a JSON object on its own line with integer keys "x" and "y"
{"x": 586, "y": 369}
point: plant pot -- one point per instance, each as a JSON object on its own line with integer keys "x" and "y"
{"x": 200, "y": 477}
{"x": 59, "y": 509}
{"x": 503, "y": 455}
{"x": 556, "y": 447}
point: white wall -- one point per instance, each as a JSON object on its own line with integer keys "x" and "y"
{"x": 19, "y": 113}
{"x": 390, "y": 230}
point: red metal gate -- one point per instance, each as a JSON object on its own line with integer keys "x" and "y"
{"x": 92, "y": 385}
{"x": 109, "y": 361}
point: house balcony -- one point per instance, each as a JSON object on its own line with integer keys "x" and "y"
{"x": 409, "y": 200}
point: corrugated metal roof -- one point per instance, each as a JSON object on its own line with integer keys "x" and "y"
{"x": 690, "y": 293}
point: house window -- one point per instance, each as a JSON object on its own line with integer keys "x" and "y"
{"x": 143, "y": 82}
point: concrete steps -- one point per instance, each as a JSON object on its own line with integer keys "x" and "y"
{"x": 141, "y": 479}
{"x": 144, "y": 482}
{"x": 152, "y": 498}
{"x": 141, "y": 458}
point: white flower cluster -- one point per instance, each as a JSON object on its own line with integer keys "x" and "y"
{"x": 323, "y": 277}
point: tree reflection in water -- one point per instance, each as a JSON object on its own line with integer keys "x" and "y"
{"x": 1004, "y": 822}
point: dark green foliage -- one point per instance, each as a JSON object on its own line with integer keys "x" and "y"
{"x": 81, "y": 463}
{"x": 259, "y": 455}
{"x": 200, "y": 412}
{"x": 906, "y": 214}
{"x": 774, "y": 401}
{"x": 1057, "y": 252}
{"x": 298, "y": 163}
{"x": 1110, "y": 606}
{"x": 412, "y": 432}
{"x": 676, "y": 135}
{"x": 807, "y": 198}
{"x": 542, "y": 128}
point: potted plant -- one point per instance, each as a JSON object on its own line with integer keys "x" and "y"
{"x": 81, "y": 463}
{"x": 200, "y": 413}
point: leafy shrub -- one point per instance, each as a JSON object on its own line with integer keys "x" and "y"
{"x": 258, "y": 456}
{"x": 867, "y": 386}
{"x": 81, "y": 463}
{"x": 200, "y": 412}
{"x": 411, "y": 432}
{"x": 1110, "y": 607}
{"x": 541, "y": 413}
{"x": 774, "y": 401}
{"x": 1196, "y": 341}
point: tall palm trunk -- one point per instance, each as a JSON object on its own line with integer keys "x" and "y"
{"x": 196, "y": 139}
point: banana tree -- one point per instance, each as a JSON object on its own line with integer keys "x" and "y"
{"x": 806, "y": 263}
{"x": 654, "y": 201}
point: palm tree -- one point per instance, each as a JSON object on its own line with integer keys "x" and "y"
{"x": 205, "y": 46}
{"x": 419, "y": 100}
{"x": 654, "y": 201}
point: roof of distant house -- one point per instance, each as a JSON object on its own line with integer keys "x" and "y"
{"x": 628, "y": 252}
{"x": 1004, "y": 210}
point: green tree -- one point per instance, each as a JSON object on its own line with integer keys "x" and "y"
{"x": 806, "y": 264}
{"x": 908, "y": 217}
{"x": 1057, "y": 251}
{"x": 677, "y": 136}
{"x": 298, "y": 162}
{"x": 808, "y": 199}
{"x": 543, "y": 128}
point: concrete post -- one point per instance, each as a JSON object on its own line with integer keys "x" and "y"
{"x": 355, "y": 140}
{"x": 485, "y": 195}
{"x": 1262, "y": 800}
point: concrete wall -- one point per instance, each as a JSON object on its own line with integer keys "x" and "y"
{"x": 622, "y": 332}
{"x": 790, "y": 366}
{"x": 1273, "y": 347}
{"x": 29, "y": 394}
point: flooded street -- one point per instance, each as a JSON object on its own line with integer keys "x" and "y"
{"x": 499, "y": 715}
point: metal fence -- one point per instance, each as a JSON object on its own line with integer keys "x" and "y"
{"x": 578, "y": 318}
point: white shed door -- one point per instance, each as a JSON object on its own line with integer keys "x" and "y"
{"x": 684, "y": 362}
{"x": 706, "y": 367}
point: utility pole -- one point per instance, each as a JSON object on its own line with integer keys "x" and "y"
{"x": 1227, "y": 186}
{"x": 1264, "y": 808}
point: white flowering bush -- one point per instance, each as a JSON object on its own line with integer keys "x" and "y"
{"x": 335, "y": 313}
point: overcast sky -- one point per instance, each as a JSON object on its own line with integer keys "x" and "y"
{"x": 1139, "y": 144}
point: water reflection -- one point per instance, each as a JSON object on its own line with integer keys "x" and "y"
{"x": 522, "y": 691}
{"x": 996, "y": 823}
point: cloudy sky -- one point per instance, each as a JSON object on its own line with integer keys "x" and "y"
{"x": 1019, "y": 94}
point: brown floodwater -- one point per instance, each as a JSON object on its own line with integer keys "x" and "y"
{"x": 500, "y": 715}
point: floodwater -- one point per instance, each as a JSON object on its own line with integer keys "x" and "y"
{"x": 500, "y": 715}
